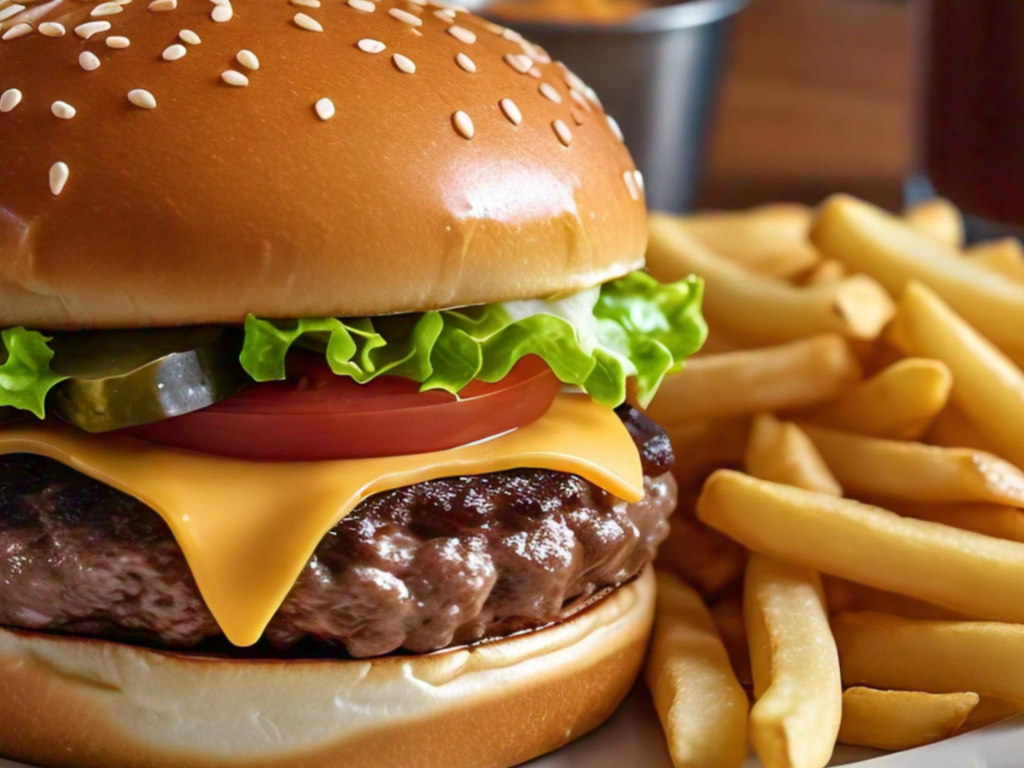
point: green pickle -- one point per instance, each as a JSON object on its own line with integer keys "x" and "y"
{"x": 127, "y": 378}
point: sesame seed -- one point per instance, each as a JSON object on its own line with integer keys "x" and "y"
{"x": 534, "y": 73}
{"x": 306, "y": 3}
{"x": 630, "y": 180}
{"x": 18, "y": 30}
{"x": 639, "y": 180}
{"x": 106, "y": 9}
{"x": 160, "y": 6}
{"x": 497, "y": 29}
{"x": 117, "y": 41}
{"x": 222, "y": 13}
{"x": 577, "y": 116}
{"x": 562, "y": 132}
{"x": 59, "y": 174}
{"x": 237, "y": 79}
{"x": 308, "y": 23}
{"x": 10, "y": 99}
{"x": 52, "y": 29}
{"x": 366, "y": 45}
{"x": 88, "y": 61}
{"x": 535, "y": 52}
{"x": 248, "y": 59}
{"x": 142, "y": 99}
{"x": 465, "y": 62}
{"x": 404, "y": 63}
{"x": 548, "y": 92}
{"x": 174, "y": 52}
{"x": 405, "y": 16}
{"x": 11, "y": 10}
{"x": 418, "y": 2}
{"x": 511, "y": 34}
{"x": 580, "y": 100}
{"x": 591, "y": 95}
{"x": 63, "y": 110}
{"x": 463, "y": 124}
{"x": 511, "y": 111}
{"x": 462, "y": 34}
{"x": 366, "y": 6}
{"x": 448, "y": 16}
{"x": 190, "y": 37}
{"x": 90, "y": 28}
{"x": 325, "y": 109}
{"x": 573, "y": 80}
{"x": 518, "y": 62}
{"x": 614, "y": 125}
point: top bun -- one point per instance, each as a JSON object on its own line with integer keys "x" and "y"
{"x": 151, "y": 175}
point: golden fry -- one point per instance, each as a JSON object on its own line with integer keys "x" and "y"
{"x": 953, "y": 429}
{"x": 782, "y": 452}
{"x": 884, "y": 651}
{"x": 705, "y": 446}
{"x": 869, "y": 240}
{"x": 999, "y": 520}
{"x": 701, "y": 556}
{"x": 899, "y": 402}
{"x": 727, "y": 613}
{"x": 987, "y": 386}
{"x": 902, "y": 719}
{"x": 771, "y": 239}
{"x": 795, "y": 720}
{"x": 702, "y": 707}
{"x": 843, "y": 595}
{"x": 1004, "y": 257}
{"x": 828, "y": 271}
{"x": 976, "y": 575}
{"x": 743, "y": 383}
{"x": 939, "y": 220}
{"x": 990, "y": 711}
{"x": 895, "y": 469}
{"x": 764, "y": 309}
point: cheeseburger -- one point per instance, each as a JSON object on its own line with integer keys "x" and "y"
{"x": 324, "y": 348}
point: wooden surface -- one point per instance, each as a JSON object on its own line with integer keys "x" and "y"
{"x": 817, "y": 98}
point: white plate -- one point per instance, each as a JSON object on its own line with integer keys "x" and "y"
{"x": 633, "y": 739}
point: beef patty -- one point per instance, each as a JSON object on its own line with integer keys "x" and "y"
{"x": 422, "y": 567}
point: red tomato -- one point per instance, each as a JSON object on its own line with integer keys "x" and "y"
{"x": 314, "y": 415}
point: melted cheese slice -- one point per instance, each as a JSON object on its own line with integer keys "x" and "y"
{"x": 247, "y": 529}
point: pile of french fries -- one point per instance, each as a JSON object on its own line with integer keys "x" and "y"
{"x": 847, "y": 562}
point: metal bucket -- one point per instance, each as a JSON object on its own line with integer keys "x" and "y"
{"x": 657, "y": 74}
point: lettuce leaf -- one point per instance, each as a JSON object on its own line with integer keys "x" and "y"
{"x": 633, "y": 327}
{"x": 25, "y": 376}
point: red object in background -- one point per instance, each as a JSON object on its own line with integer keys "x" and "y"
{"x": 973, "y": 121}
{"x": 316, "y": 416}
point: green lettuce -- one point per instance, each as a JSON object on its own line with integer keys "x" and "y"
{"x": 25, "y": 375}
{"x": 597, "y": 340}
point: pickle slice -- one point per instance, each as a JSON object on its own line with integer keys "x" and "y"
{"x": 126, "y": 378}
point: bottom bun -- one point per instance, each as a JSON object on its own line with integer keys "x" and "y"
{"x": 74, "y": 703}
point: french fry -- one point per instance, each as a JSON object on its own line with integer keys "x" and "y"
{"x": 953, "y": 429}
{"x": 742, "y": 383}
{"x": 782, "y": 452}
{"x": 869, "y": 240}
{"x": 828, "y": 271}
{"x": 706, "y": 446}
{"x": 883, "y": 651}
{"x": 727, "y": 613}
{"x": 771, "y": 239}
{"x": 894, "y": 469}
{"x": 998, "y": 520}
{"x": 843, "y": 595}
{"x": 797, "y": 688}
{"x": 899, "y": 402}
{"x": 701, "y": 556}
{"x": 987, "y": 386}
{"x": 760, "y": 308}
{"x": 973, "y": 574}
{"x": 990, "y": 711}
{"x": 902, "y": 719}
{"x": 1004, "y": 256}
{"x": 939, "y": 220}
{"x": 701, "y": 705}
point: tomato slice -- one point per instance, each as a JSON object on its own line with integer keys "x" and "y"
{"x": 314, "y": 415}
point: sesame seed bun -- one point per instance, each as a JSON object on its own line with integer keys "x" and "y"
{"x": 182, "y": 162}
{"x": 72, "y": 703}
